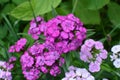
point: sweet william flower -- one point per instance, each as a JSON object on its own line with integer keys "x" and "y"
{"x": 115, "y": 57}
{"x": 68, "y": 25}
{"x": 26, "y": 60}
{"x": 75, "y": 73}
{"x": 115, "y": 49}
{"x": 94, "y": 66}
{"x": 93, "y": 52}
{"x": 116, "y": 63}
{"x": 19, "y": 45}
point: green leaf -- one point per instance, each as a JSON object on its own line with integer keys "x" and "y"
{"x": 18, "y": 1}
{"x": 8, "y": 8}
{"x": 3, "y": 1}
{"x": 94, "y": 4}
{"x": 87, "y": 16}
{"x": 90, "y": 32}
{"x": 114, "y": 13}
{"x": 24, "y": 11}
{"x": 64, "y": 8}
{"x": 3, "y": 31}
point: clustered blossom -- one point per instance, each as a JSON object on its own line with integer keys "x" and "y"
{"x": 115, "y": 57}
{"x": 37, "y": 26}
{"x": 65, "y": 32}
{"x": 5, "y": 68}
{"x": 62, "y": 35}
{"x": 19, "y": 45}
{"x": 93, "y": 52}
{"x": 41, "y": 58}
{"x": 78, "y": 74}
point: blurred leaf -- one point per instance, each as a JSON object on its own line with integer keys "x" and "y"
{"x": 3, "y": 1}
{"x": 2, "y": 53}
{"x": 114, "y": 13}
{"x": 18, "y": 1}
{"x": 90, "y": 32}
{"x": 3, "y": 31}
{"x": 24, "y": 11}
{"x": 87, "y": 16}
{"x": 64, "y": 8}
{"x": 8, "y": 8}
{"x": 94, "y": 4}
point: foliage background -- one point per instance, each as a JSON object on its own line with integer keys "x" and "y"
{"x": 100, "y": 17}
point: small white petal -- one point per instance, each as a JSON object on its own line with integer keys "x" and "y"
{"x": 116, "y": 63}
{"x": 90, "y": 78}
{"x": 105, "y": 79}
{"x": 115, "y": 49}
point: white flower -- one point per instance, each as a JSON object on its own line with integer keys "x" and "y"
{"x": 72, "y": 79}
{"x": 105, "y": 79}
{"x": 113, "y": 57}
{"x": 2, "y": 63}
{"x": 116, "y": 63}
{"x": 115, "y": 49}
{"x": 90, "y": 78}
{"x": 78, "y": 74}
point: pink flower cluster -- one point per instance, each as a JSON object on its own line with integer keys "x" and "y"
{"x": 40, "y": 58}
{"x": 5, "y": 69}
{"x": 66, "y": 33}
{"x": 19, "y": 45}
{"x": 93, "y": 52}
{"x": 62, "y": 35}
{"x": 37, "y": 28}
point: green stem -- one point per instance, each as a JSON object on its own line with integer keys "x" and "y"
{"x": 114, "y": 29}
{"x": 33, "y": 12}
{"x": 10, "y": 28}
{"x": 54, "y": 13}
{"x": 74, "y": 6}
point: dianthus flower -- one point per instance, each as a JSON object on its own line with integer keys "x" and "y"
{"x": 65, "y": 32}
{"x": 115, "y": 57}
{"x": 19, "y": 45}
{"x": 43, "y": 58}
{"x": 78, "y": 74}
{"x": 93, "y": 52}
{"x": 5, "y": 69}
{"x": 37, "y": 26}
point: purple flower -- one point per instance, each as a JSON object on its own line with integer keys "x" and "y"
{"x": 64, "y": 35}
{"x": 12, "y": 49}
{"x": 26, "y": 60}
{"x": 36, "y": 29}
{"x": 54, "y": 71}
{"x": 36, "y": 49}
{"x": 53, "y": 30}
{"x": 93, "y": 52}
{"x": 94, "y": 67}
{"x": 49, "y": 60}
{"x": 19, "y": 45}
{"x": 68, "y": 25}
{"x": 32, "y": 74}
{"x": 98, "y": 45}
{"x": 44, "y": 69}
{"x": 40, "y": 61}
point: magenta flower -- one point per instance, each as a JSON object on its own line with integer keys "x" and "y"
{"x": 19, "y": 45}
{"x": 26, "y": 60}
{"x": 40, "y": 61}
{"x": 54, "y": 71}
